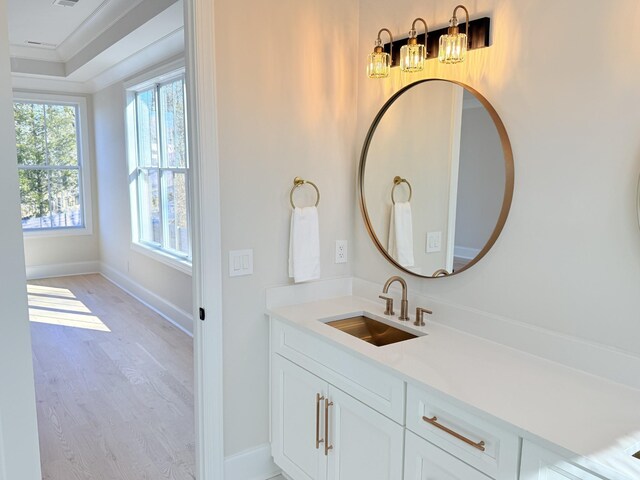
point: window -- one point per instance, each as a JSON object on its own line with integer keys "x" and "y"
{"x": 53, "y": 183}
{"x": 159, "y": 165}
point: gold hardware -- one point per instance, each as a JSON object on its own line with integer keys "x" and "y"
{"x": 298, "y": 182}
{"x": 389, "y": 305}
{"x": 319, "y": 398}
{"x": 327, "y": 447}
{"x": 440, "y": 273}
{"x": 455, "y": 30}
{"x": 397, "y": 181}
{"x": 507, "y": 196}
{"x": 434, "y": 421}
{"x": 404, "y": 303}
{"x": 420, "y": 316}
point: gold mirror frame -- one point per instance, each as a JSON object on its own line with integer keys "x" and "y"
{"x": 638, "y": 201}
{"x": 508, "y": 184}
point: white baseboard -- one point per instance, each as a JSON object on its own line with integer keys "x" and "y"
{"x": 62, "y": 269}
{"x": 465, "y": 252}
{"x": 175, "y": 315}
{"x": 596, "y": 359}
{"x": 254, "y": 464}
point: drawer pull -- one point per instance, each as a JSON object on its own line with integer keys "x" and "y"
{"x": 327, "y": 447}
{"x": 319, "y": 398}
{"x": 434, "y": 421}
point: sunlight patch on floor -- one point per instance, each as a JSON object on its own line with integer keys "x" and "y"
{"x": 59, "y": 306}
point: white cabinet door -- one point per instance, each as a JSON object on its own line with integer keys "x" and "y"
{"x": 425, "y": 461}
{"x": 540, "y": 464}
{"x": 365, "y": 444}
{"x": 295, "y": 412}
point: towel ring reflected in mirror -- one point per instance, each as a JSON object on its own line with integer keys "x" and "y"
{"x": 397, "y": 181}
{"x": 298, "y": 182}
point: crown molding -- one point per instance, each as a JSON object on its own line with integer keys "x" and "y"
{"x": 109, "y": 13}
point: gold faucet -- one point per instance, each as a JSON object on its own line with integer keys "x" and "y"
{"x": 404, "y": 303}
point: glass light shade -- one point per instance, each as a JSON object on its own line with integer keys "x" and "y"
{"x": 379, "y": 65}
{"x": 412, "y": 57}
{"x": 453, "y": 48}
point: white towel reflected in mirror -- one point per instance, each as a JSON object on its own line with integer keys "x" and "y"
{"x": 401, "y": 234}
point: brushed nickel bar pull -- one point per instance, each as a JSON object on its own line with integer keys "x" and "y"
{"x": 434, "y": 421}
{"x": 327, "y": 447}
{"x": 319, "y": 398}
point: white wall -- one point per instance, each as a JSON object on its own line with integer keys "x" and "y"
{"x": 568, "y": 259}
{"x": 18, "y": 430}
{"x": 287, "y": 109}
{"x": 127, "y": 267}
{"x": 481, "y": 179}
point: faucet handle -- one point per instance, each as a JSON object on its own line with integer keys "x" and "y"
{"x": 420, "y": 316}
{"x": 389, "y": 305}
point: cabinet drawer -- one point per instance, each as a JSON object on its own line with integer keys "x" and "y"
{"x": 425, "y": 461}
{"x": 460, "y": 433}
{"x": 378, "y": 389}
{"x": 541, "y": 464}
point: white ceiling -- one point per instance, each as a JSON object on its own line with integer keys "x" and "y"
{"x": 91, "y": 38}
{"x": 42, "y": 21}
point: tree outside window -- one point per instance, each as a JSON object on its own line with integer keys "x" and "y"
{"x": 49, "y": 165}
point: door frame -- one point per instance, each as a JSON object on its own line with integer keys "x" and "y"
{"x": 206, "y": 239}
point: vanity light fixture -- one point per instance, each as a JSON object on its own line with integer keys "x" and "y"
{"x": 453, "y": 45}
{"x": 379, "y": 61}
{"x": 413, "y": 54}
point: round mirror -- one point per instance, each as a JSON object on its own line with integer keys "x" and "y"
{"x": 436, "y": 178}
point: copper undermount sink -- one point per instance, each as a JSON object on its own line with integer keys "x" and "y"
{"x": 371, "y": 331}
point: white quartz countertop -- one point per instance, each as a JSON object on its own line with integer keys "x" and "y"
{"x": 594, "y": 420}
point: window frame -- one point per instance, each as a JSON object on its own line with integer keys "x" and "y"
{"x": 155, "y": 78}
{"x": 84, "y": 161}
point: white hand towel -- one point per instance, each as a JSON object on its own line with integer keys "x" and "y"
{"x": 304, "y": 245}
{"x": 401, "y": 234}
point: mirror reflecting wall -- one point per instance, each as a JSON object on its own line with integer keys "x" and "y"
{"x": 438, "y": 150}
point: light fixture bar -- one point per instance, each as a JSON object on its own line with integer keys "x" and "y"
{"x": 479, "y": 29}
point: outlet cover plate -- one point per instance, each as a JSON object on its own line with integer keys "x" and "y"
{"x": 342, "y": 253}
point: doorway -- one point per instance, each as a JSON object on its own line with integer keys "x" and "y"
{"x": 207, "y": 445}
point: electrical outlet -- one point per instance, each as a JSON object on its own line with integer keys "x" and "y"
{"x": 341, "y": 251}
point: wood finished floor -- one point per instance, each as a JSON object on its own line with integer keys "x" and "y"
{"x": 114, "y": 384}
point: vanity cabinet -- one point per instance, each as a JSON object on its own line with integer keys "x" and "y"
{"x": 335, "y": 415}
{"x": 540, "y": 464}
{"x": 320, "y": 432}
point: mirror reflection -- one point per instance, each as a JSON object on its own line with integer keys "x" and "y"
{"x": 436, "y": 178}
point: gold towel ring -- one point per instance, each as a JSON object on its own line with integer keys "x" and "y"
{"x": 298, "y": 182}
{"x": 440, "y": 273}
{"x": 397, "y": 181}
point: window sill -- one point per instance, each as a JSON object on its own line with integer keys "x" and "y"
{"x": 57, "y": 232}
{"x": 182, "y": 265}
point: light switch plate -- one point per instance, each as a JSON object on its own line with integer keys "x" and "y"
{"x": 434, "y": 242}
{"x": 240, "y": 262}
